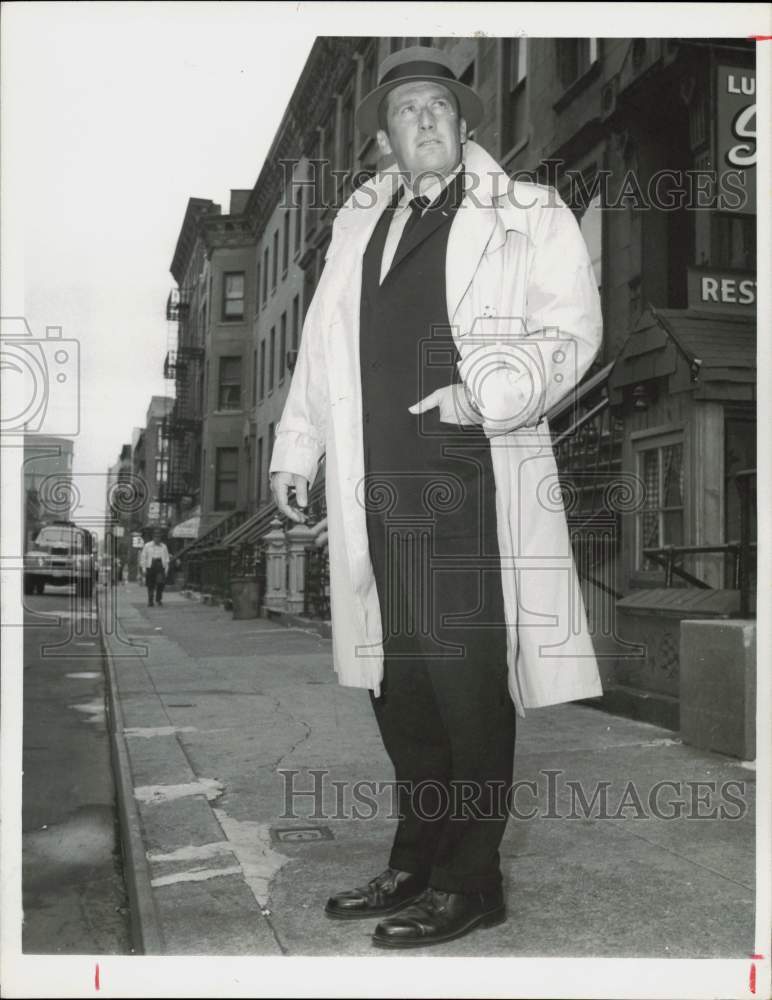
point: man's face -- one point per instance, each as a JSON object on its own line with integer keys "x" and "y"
{"x": 156, "y": 536}
{"x": 425, "y": 132}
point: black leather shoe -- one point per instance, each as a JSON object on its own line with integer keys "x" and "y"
{"x": 440, "y": 916}
{"x": 384, "y": 894}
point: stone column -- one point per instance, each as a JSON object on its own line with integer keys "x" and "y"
{"x": 298, "y": 539}
{"x": 275, "y": 567}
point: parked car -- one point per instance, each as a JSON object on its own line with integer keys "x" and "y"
{"x": 62, "y": 554}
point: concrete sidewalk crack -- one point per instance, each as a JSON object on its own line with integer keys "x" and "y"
{"x": 684, "y": 857}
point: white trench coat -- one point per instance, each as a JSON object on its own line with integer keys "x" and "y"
{"x": 525, "y": 312}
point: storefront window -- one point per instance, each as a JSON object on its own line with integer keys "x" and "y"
{"x": 661, "y": 521}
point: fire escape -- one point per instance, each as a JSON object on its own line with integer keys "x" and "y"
{"x": 180, "y": 427}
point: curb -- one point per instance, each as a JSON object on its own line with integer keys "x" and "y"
{"x": 146, "y": 934}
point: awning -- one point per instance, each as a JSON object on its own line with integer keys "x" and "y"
{"x": 187, "y": 529}
{"x": 706, "y": 353}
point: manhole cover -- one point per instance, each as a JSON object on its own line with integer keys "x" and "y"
{"x": 300, "y": 834}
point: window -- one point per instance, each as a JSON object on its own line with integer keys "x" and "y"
{"x": 295, "y": 322}
{"x": 160, "y": 439}
{"x": 347, "y": 154}
{"x": 283, "y": 347}
{"x": 315, "y": 176}
{"x": 301, "y": 194}
{"x": 734, "y": 241}
{"x": 275, "y": 272}
{"x": 262, "y": 368}
{"x": 739, "y": 455}
{"x": 270, "y": 453}
{"x": 257, "y": 287}
{"x": 233, "y": 295}
{"x": 369, "y": 66}
{"x": 286, "y": 247}
{"x": 254, "y": 376}
{"x": 226, "y": 481}
{"x": 514, "y": 126}
{"x": 229, "y": 385}
{"x": 259, "y": 497}
{"x": 161, "y": 470}
{"x": 575, "y": 57}
{"x": 661, "y": 521}
{"x": 272, "y": 360}
{"x": 265, "y": 276}
{"x": 328, "y": 133}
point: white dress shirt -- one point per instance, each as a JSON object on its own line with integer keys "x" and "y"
{"x": 402, "y": 214}
{"x": 151, "y": 551}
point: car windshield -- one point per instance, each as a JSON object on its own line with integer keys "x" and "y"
{"x": 70, "y": 538}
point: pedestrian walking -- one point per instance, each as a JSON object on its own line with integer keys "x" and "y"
{"x": 154, "y": 560}
{"x": 455, "y": 308}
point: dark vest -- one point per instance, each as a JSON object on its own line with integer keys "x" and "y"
{"x": 428, "y": 485}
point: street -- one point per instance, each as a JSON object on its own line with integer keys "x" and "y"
{"x": 72, "y": 881}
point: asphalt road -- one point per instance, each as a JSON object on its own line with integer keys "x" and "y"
{"x": 72, "y": 881}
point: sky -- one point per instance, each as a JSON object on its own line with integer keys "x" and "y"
{"x": 118, "y": 114}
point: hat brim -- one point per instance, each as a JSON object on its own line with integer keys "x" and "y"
{"x": 470, "y": 106}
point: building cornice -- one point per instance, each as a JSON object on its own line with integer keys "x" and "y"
{"x": 329, "y": 64}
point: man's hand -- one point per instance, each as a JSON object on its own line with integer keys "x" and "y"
{"x": 281, "y": 484}
{"x": 455, "y": 405}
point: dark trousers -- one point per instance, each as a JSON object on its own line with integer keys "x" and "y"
{"x": 450, "y": 733}
{"x": 445, "y": 714}
{"x": 155, "y": 578}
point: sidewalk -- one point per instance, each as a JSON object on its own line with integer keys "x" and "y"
{"x": 208, "y": 710}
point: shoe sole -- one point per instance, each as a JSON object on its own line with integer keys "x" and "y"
{"x": 362, "y": 914}
{"x": 491, "y": 919}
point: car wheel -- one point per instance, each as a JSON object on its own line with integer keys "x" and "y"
{"x": 40, "y": 586}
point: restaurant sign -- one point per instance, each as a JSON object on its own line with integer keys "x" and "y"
{"x": 736, "y": 132}
{"x": 714, "y": 290}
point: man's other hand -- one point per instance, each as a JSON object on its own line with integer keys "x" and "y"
{"x": 454, "y": 403}
{"x": 281, "y": 484}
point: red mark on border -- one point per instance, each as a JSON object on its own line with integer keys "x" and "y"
{"x": 760, "y": 38}
{"x": 752, "y": 974}
{"x": 96, "y": 977}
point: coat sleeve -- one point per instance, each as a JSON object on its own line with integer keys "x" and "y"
{"x": 301, "y": 433}
{"x": 518, "y": 373}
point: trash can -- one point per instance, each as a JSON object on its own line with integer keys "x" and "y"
{"x": 245, "y": 597}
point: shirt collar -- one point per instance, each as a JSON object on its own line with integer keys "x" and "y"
{"x": 432, "y": 190}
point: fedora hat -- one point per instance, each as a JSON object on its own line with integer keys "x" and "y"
{"x": 418, "y": 62}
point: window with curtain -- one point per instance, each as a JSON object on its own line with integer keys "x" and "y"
{"x": 233, "y": 295}
{"x": 661, "y": 520}
{"x": 229, "y": 384}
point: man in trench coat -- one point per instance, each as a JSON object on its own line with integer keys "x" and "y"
{"x": 443, "y": 257}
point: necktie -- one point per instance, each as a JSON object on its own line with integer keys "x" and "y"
{"x": 417, "y": 205}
